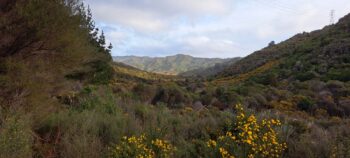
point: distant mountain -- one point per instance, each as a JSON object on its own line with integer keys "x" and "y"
{"x": 210, "y": 71}
{"x": 171, "y": 65}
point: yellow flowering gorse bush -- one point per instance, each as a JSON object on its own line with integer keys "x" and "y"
{"x": 141, "y": 147}
{"x": 249, "y": 138}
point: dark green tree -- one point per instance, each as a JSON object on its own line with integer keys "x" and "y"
{"x": 109, "y": 48}
{"x": 102, "y": 40}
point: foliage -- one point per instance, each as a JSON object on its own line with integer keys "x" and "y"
{"x": 244, "y": 76}
{"x": 173, "y": 95}
{"x": 248, "y": 138}
{"x": 306, "y": 104}
{"x": 15, "y": 138}
{"x": 341, "y": 75}
{"x": 141, "y": 147}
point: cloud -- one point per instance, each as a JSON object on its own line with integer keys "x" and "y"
{"x": 157, "y": 15}
{"x": 207, "y": 28}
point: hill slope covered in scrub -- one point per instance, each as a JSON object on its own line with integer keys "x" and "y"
{"x": 314, "y": 65}
{"x": 210, "y": 71}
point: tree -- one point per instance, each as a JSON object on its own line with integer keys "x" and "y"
{"x": 90, "y": 22}
{"x": 102, "y": 40}
{"x": 109, "y": 48}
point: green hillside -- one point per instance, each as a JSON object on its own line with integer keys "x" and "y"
{"x": 210, "y": 71}
{"x": 314, "y": 66}
{"x": 172, "y": 65}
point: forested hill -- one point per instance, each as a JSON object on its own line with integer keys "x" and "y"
{"x": 308, "y": 72}
{"x": 319, "y": 52}
{"x": 171, "y": 64}
{"x": 207, "y": 72}
{"x": 46, "y": 47}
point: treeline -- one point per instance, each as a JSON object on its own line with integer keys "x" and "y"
{"x": 41, "y": 25}
{"x": 48, "y": 49}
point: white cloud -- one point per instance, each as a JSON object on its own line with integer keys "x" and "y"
{"x": 156, "y": 15}
{"x": 211, "y": 28}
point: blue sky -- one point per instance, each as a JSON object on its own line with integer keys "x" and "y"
{"x": 207, "y": 28}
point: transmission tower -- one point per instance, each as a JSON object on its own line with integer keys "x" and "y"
{"x": 331, "y": 16}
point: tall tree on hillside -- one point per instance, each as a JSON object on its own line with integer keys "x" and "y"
{"x": 102, "y": 40}
{"x": 109, "y": 48}
{"x": 93, "y": 30}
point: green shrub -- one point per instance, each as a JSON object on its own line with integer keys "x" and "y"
{"x": 306, "y": 104}
{"x": 172, "y": 95}
{"x": 144, "y": 92}
{"x": 339, "y": 74}
{"x": 16, "y": 138}
{"x": 305, "y": 76}
{"x": 102, "y": 72}
{"x": 267, "y": 79}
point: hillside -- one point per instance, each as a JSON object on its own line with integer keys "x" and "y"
{"x": 307, "y": 49}
{"x": 126, "y": 75}
{"x": 172, "y": 65}
{"x": 210, "y": 71}
{"x": 312, "y": 68}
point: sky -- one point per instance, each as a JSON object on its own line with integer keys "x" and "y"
{"x": 208, "y": 28}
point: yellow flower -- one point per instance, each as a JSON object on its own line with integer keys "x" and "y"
{"x": 249, "y": 141}
{"x": 211, "y": 143}
{"x": 258, "y": 137}
{"x": 138, "y": 147}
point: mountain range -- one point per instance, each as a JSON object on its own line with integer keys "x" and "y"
{"x": 172, "y": 65}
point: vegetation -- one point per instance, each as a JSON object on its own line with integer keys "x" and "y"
{"x": 62, "y": 96}
{"x": 248, "y": 138}
{"x": 137, "y": 147}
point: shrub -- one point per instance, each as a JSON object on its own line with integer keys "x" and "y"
{"x": 267, "y": 79}
{"x": 306, "y": 104}
{"x": 341, "y": 75}
{"x": 142, "y": 147}
{"x": 96, "y": 72}
{"x": 144, "y": 92}
{"x": 248, "y": 138}
{"x": 172, "y": 95}
{"x": 305, "y": 76}
{"x": 16, "y": 138}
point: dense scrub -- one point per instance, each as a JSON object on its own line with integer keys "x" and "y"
{"x": 99, "y": 124}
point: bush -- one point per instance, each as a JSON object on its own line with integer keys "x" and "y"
{"x": 142, "y": 147}
{"x": 16, "y": 139}
{"x": 173, "y": 96}
{"x": 96, "y": 72}
{"x": 305, "y": 76}
{"x": 101, "y": 73}
{"x": 248, "y": 138}
{"x": 267, "y": 79}
{"x": 339, "y": 74}
{"x": 306, "y": 104}
{"x": 144, "y": 92}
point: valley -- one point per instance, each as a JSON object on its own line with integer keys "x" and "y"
{"x": 174, "y": 65}
{"x": 62, "y": 93}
